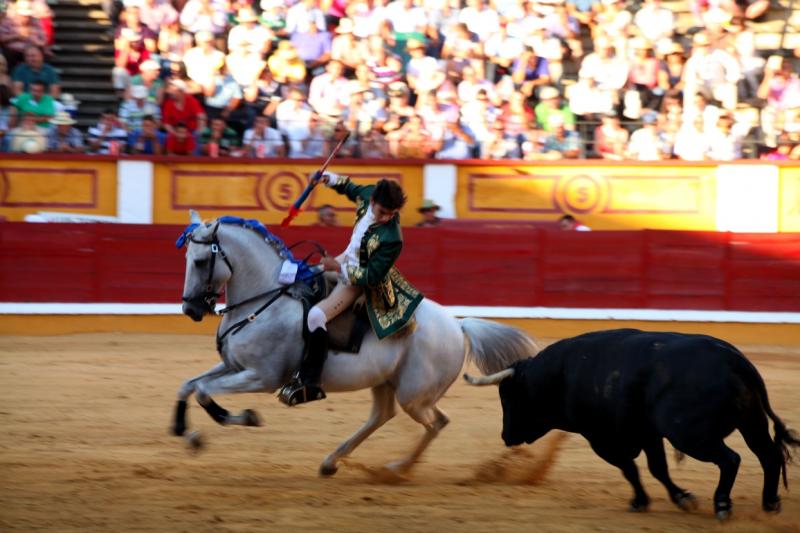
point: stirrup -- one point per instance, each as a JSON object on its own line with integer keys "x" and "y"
{"x": 296, "y": 392}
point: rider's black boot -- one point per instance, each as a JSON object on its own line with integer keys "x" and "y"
{"x": 304, "y": 386}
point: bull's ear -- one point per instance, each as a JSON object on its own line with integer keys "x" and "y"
{"x": 194, "y": 217}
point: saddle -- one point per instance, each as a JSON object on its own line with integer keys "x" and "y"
{"x": 347, "y": 330}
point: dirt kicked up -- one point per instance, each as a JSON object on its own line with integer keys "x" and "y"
{"x": 84, "y": 445}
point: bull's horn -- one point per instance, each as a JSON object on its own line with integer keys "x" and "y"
{"x": 494, "y": 379}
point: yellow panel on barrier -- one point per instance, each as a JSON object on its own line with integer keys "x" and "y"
{"x": 789, "y": 206}
{"x": 79, "y": 186}
{"x": 604, "y": 197}
{"x": 264, "y": 191}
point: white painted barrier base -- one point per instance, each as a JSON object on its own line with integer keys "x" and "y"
{"x": 556, "y": 313}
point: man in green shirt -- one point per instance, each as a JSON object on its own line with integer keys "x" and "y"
{"x": 365, "y": 267}
{"x": 36, "y": 102}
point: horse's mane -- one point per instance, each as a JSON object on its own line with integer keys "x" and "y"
{"x": 304, "y": 272}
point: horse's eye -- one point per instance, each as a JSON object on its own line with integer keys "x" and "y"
{"x": 201, "y": 263}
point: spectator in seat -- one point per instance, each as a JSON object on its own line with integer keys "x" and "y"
{"x": 646, "y": 143}
{"x": 411, "y": 140}
{"x": 712, "y": 72}
{"x": 517, "y": 116}
{"x": 63, "y": 137}
{"x": 203, "y": 15}
{"x": 781, "y": 89}
{"x": 691, "y": 141}
{"x": 373, "y": 144}
{"x": 551, "y": 104}
{"x": 303, "y": 14}
{"x": 530, "y": 71}
{"x": 643, "y": 74}
{"x": 108, "y": 136}
{"x": 181, "y": 141}
{"x": 224, "y": 100}
{"x": 286, "y": 65}
{"x": 499, "y": 145}
{"x": 219, "y": 140}
{"x": 654, "y": 22}
{"x": 157, "y": 14}
{"x": 614, "y": 23}
{"x": 251, "y": 35}
{"x": 19, "y": 31}
{"x": 180, "y": 107}
{"x": 138, "y": 106}
{"x": 670, "y": 74}
{"x": 34, "y": 68}
{"x": 478, "y": 116}
{"x": 245, "y": 67}
{"x": 8, "y": 116}
{"x": 148, "y": 78}
{"x": 471, "y": 84}
{"x": 725, "y": 140}
{"x": 37, "y": 102}
{"x": 328, "y": 92}
{"x": 133, "y": 44}
{"x": 602, "y": 75}
{"x": 584, "y": 11}
{"x": 294, "y": 117}
{"x": 611, "y": 139}
{"x": 28, "y": 137}
{"x": 357, "y": 118}
{"x": 345, "y": 47}
{"x": 423, "y": 72}
{"x": 501, "y": 49}
{"x": 561, "y": 142}
{"x": 5, "y": 79}
{"x": 313, "y": 47}
{"x": 41, "y": 12}
{"x": 172, "y": 46}
{"x": 147, "y": 139}
{"x": 263, "y": 141}
{"x": 740, "y": 41}
{"x": 263, "y": 97}
{"x": 203, "y": 63}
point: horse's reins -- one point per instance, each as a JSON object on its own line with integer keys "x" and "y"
{"x": 209, "y": 296}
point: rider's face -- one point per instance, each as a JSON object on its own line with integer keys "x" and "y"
{"x": 382, "y": 214}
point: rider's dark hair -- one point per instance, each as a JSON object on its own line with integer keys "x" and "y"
{"x": 389, "y": 194}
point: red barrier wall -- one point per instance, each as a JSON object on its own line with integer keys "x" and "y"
{"x": 494, "y": 265}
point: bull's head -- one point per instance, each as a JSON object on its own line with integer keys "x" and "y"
{"x": 524, "y": 418}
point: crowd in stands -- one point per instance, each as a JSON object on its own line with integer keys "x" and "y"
{"x": 446, "y": 79}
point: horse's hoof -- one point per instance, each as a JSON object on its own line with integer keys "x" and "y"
{"x": 722, "y": 510}
{"x": 327, "y": 470}
{"x": 686, "y": 502}
{"x": 772, "y": 507}
{"x": 251, "y": 418}
{"x": 194, "y": 441}
{"x": 723, "y": 514}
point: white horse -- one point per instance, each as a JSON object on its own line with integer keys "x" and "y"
{"x": 260, "y": 340}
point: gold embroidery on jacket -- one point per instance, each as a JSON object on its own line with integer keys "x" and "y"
{"x": 372, "y": 244}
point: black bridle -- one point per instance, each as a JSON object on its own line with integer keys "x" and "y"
{"x": 208, "y": 298}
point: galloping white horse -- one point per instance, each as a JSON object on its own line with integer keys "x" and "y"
{"x": 260, "y": 340}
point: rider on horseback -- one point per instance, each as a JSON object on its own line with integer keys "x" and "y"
{"x": 365, "y": 267}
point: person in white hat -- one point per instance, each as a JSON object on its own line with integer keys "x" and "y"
{"x": 149, "y": 77}
{"x": 138, "y": 106}
{"x": 204, "y": 15}
{"x": 712, "y": 72}
{"x": 250, "y": 34}
{"x": 64, "y": 137}
{"x": 428, "y": 210}
{"x": 203, "y": 62}
{"x": 27, "y": 138}
{"x": 345, "y": 47}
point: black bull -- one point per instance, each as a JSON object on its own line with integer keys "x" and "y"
{"x": 626, "y": 390}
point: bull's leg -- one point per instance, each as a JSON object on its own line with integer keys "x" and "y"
{"x": 728, "y": 462}
{"x": 383, "y": 410}
{"x": 657, "y": 462}
{"x": 186, "y": 390}
{"x": 756, "y": 434}
{"x": 434, "y": 420}
{"x": 244, "y": 381}
{"x": 640, "y": 500}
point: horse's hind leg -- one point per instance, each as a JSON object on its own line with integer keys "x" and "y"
{"x": 186, "y": 390}
{"x": 434, "y": 420}
{"x": 755, "y": 431}
{"x": 383, "y": 410}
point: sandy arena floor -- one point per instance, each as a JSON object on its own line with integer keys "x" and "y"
{"x": 84, "y": 446}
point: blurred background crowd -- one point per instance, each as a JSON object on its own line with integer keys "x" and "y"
{"x": 445, "y": 79}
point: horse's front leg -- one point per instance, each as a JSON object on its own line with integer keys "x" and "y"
{"x": 244, "y": 381}
{"x": 186, "y": 390}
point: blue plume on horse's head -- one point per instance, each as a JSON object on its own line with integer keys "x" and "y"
{"x": 184, "y": 236}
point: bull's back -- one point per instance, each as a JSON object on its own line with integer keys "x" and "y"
{"x": 630, "y": 382}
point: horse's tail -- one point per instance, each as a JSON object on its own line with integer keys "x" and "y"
{"x": 494, "y": 346}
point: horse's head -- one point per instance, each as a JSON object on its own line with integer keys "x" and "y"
{"x": 208, "y": 269}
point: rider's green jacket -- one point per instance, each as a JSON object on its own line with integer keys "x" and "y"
{"x": 391, "y": 300}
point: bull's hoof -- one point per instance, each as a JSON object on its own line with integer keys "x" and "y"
{"x": 772, "y": 507}
{"x": 638, "y": 506}
{"x": 251, "y": 418}
{"x": 327, "y": 470}
{"x": 722, "y": 510}
{"x": 686, "y": 501}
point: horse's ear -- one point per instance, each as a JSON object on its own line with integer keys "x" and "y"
{"x": 194, "y": 217}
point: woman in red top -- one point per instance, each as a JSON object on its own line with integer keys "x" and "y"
{"x": 181, "y": 107}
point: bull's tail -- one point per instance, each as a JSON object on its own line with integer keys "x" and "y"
{"x": 494, "y": 346}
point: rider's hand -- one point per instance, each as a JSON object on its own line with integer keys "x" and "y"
{"x": 330, "y": 177}
{"x": 330, "y": 264}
